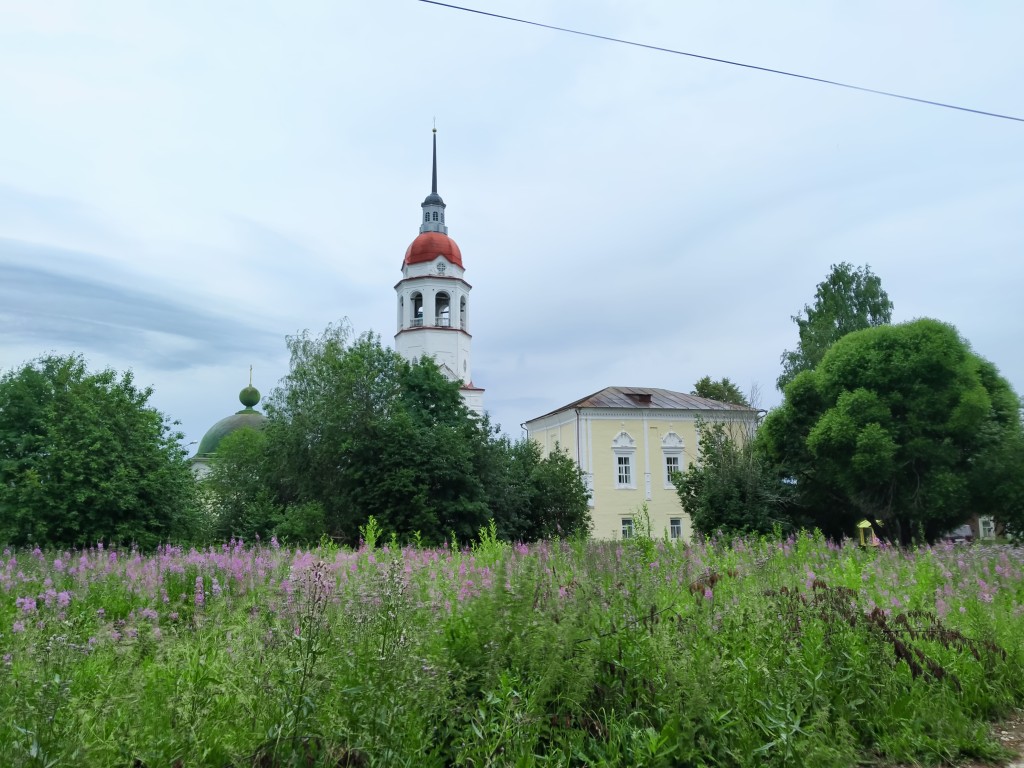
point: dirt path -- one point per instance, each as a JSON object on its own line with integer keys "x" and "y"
{"x": 1011, "y": 734}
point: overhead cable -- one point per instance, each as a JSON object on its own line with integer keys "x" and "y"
{"x": 769, "y": 70}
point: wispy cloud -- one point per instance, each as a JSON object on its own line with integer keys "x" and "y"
{"x": 38, "y": 305}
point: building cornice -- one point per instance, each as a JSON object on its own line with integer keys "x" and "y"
{"x": 433, "y": 277}
{"x": 421, "y": 328}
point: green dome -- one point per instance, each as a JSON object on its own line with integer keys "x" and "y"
{"x": 247, "y": 418}
{"x": 249, "y": 396}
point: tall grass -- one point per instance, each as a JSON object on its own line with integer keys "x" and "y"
{"x": 745, "y": 653}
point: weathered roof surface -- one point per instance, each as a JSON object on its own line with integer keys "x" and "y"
{"x": 648, "y": 397}
{"x": 429, "y": 245}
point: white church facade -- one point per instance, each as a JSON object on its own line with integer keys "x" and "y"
{"x": 433, "y": 299}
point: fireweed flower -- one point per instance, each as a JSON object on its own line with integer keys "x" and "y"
{"x": 26, "y": 604}
{"x": 200, "y": 598}
{"x": 19, "y": 626}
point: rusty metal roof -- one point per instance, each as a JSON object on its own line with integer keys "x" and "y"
{"x": 648, "y": 397}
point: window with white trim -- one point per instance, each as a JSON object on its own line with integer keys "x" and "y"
{"x": 672, "y": 455}
{"x": 671, "y": 467}
{"x": 624, "y": 451}
{"x": 624, "y": 474}
{"x": 627, "y": 527}
{"x": 675, "y": 527}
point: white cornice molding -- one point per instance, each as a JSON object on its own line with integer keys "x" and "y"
{"x": 439, "y": 278}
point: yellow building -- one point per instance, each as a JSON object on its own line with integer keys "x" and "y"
{"x": 628, "y": 441}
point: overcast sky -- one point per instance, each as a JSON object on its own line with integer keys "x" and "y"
{"x": 184, "y": 184}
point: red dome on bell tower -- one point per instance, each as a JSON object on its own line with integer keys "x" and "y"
{"x": 429, "y": 245}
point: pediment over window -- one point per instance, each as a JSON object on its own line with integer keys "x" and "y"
{"x": 672, "y": 442}
{"x": 623, "y": 440}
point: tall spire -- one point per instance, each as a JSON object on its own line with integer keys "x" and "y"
{"x": 433, "y": 177}
{"x": 433, "y": 206}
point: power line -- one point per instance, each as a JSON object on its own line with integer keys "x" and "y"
{"x": 726, "y": 61}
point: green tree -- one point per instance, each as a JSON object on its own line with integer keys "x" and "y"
{"x": 237, "y": 495}
{"x": 848, "y": 300}
{"x": 535, "y": 497}
{"x": 84, "y": 458}
{"x": 731, "y": 488}
{"x": 560, "y": 501}
{"x": 358, "y": 430}
{"x": 724, "y": 391}
{"x": 903, "y": 424}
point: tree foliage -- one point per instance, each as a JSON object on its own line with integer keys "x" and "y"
{"x": 84, "y": 458}
{"x": 731, "y": 488}
{"x": 354, "y": 430}
{"x": 236, "y": 492}
{"x": 534, "y": 497}
{"x": 360, "y": 431}
{"x": 848, "y": 300}
{"x": 903, "y": 424}
{"x": 724, "y": 391}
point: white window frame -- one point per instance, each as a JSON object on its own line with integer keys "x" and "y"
{"x": 671, "y": 446}
{"x": 627, "y": 529}
{"x": 624, "y": 447}
{"x": 624, "y": 472}
{"x": 675, "y": 528}
{"x": 670, "y": 460}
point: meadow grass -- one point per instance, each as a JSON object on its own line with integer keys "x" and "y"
{"x": 744, "y": 653}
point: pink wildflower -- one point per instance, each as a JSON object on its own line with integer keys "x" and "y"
{"x": 27, "y": 604}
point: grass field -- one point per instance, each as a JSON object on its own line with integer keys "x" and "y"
{"x": 640, "y": 653}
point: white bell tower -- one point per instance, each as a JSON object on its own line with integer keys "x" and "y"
{"x": 433, "y": 299}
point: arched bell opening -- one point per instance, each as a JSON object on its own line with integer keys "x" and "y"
{"x": 442, "y": 310}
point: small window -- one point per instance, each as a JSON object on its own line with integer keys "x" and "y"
{"x": 627, "y": 527}
{"x": 625, "y": 475}
{"x": 435, "y": 215}
{"x": 426, "y": 216}
{"x": 623, "y": 450}
{"x": 671, "y": 467}
{"x": 675, "y": 527}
